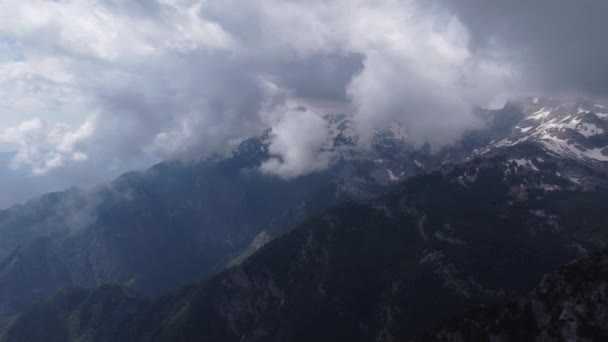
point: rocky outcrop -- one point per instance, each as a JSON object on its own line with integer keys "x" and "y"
{"x": 570, "y": 304}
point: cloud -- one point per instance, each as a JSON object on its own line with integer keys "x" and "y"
{"x": 296, "y": 143}
{"x": 558, "y": 44}
{"x": 42, "y": 147}
{"x": 419, "y": 69}
{"x": 123, "y": 84}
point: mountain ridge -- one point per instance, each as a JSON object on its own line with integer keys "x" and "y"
{"x": 369, "y": 271}
{"x": 176, "y": 222}
{"x": 523, "y": 193}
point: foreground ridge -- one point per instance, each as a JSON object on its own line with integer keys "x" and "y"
{"x": 568, "y": 305}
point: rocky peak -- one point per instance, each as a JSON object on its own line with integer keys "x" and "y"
{"x": 575, "y": 130}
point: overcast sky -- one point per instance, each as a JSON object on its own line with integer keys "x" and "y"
{"x": 92, "y": 88}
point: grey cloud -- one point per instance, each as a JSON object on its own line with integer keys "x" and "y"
{"x": 323, "y": 77}
{"x": 180, "y": 79}
{"x": 559, "y": 44}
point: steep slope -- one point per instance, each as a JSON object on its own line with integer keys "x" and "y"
{"x": 568, "y": 305}
{"x": 482, "y": 232}
{"x": 392, "y": 269}
{"x": 181, "y": 221}
{"x": 80, "y": 315}
{"x": 33, "y": 270}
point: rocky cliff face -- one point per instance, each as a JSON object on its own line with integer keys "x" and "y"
{"x": 570, "y": 304}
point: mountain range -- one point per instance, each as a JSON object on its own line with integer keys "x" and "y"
{"x": 384, "y": 245}
{"x": 178, "y": 222}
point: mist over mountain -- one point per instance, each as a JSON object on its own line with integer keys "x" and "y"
{"x": 511, "y": 195}
{"x": 182, "y": 221}
{"x": 481, "y": 230}
{"x": 279, "y": 170}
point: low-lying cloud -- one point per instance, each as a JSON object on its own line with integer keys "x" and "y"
{"x": 296, "y": 142}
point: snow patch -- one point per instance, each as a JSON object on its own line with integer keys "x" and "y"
{"x": 562, "y": 147}
{"x": 391, "y": 176}
{"x": 524, "y": 162}
{"x": 602, "y": 115}
{"x": 524, "y": 130}
{"x": 541, "y": 114}
{"x": 589, "y": 130}
{"x": 596, "y": 153}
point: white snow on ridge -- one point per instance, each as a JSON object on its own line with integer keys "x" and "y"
{"x": 589, "y": 130}
{"x": 392, "y": 176}
{"x": 562, "y": 147}
{"x": 541, "y": 114}
{"x": 557, "y": 145}
{"x": 525, "y": 129}
{"x": 524, "y": 163}
{"x": 602, "y": 115}
{"x": 596, "y": 153}
{"x": 547, "y": 128}
{"x": 573, "y": 123}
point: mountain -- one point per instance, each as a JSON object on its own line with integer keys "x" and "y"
{"x": 480, "y": 232}
{"x": 568, "y": 305}
{"x": 180, "y": 222}
{"x": 504, "y": 207}
{"x": 574, "y": 132}
{"x": 76, "y": 314}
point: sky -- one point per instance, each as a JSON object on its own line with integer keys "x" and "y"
{"x": 93, "y": 88}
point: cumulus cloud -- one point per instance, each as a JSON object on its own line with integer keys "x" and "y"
{"x": 419, "y": 68}
{"x": 42, "y": 147}
{"x": 296, "y": 145}
{"x": 123, "y": 84}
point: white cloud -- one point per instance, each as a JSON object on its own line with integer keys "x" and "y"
{"x": 419, "y": 69}
{"x": 122, "y": 84}
{"x": 296, "y": 144}
{"x": 42, "y": 147}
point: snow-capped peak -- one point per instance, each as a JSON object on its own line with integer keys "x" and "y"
{"x": 575, "y": 129}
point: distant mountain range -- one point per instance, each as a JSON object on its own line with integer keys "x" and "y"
{"x": 179, "y": 222}
{"x": 479, "y": 222}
